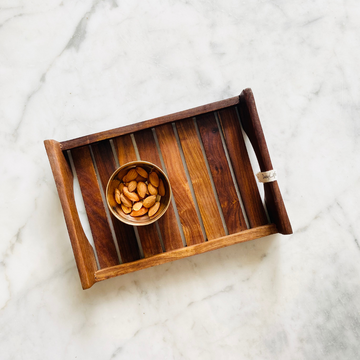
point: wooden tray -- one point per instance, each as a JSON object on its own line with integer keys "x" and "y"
{"x": 210, "y": 192}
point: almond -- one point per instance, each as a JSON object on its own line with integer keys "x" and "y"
{"x": 125, "y": 209}
{"x": 117, "y": 196}
{"x": 142, "y": 172}
{"x": 149, "y": 201}
{"x": 141, "y": 189}
{"x": 125, "y": 201}
{"x": 140, "y": 178}
{"x": 154, "y": 179}
{"x": 130, "y": 195}
{"x": 140, "y": 212}
{"x": 161, "y": 188}
{"x": 137, "y": 206}
{"x": 152, "y": 189}
{"x": 154, "y": 209}
{"x": 132, "y": 185}
{"x": 121, "y": 187}
{"x": 131, "y": 175}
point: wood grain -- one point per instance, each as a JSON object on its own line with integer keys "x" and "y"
{"x": 180, "y": 187}
{"x": 149, "y": 237}
{"x": 200, "y": 179}
{"x": 94, "y": 206}
{"x": 89, "y": 139}
{"x": 220, "y": 172}
{"x": 83, "y": 251}
{"x": 168, "y": 224}
{"x": 125, "y": 235}
{"x": 252, "y": 126}
{"x": 242, "y": 167}
{"x": 184, "y": 252}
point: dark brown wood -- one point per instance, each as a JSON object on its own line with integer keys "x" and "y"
{"x": 242, "y": 167}
{"x": 83, "y": 251}
{"x": 149, "y": 237}
{"x": 200, "y": 179}
{"x": 94, "y": 206}
{"x": 89, "y": 139}
{"x": 125, "y": 235}
{"x": 220, "y": 172}
{"x": 252, "y": 126}
{"x": 184, "y": 252}
{"x": 168, "y": 224}
{"x": 180, "y": 187}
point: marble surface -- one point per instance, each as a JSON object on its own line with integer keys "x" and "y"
{"x": 73, "y": 68}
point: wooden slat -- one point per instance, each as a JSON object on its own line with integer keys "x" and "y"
{"x": 180, "y": 187}
{"x": 125, "y": 235}
{"x": 165, "y": 257}
{"x": 200, "y": 179}
{"x": 94, "y": 207}
{"x": 89, "y": 139}
{"x": 83, "y": 251}
{"x": 220, "y": 172}
{"x": 242, "y": 167}
{"x": 252, "y": 126}
{"x": 149, "y": 237}
{"x": 168, "y": 224}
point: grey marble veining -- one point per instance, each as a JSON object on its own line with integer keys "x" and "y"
{"x": 72, "y": 68}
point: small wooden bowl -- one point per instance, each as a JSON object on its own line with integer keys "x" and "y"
{"x": 114, "y": 182}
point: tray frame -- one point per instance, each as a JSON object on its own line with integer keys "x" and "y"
{"x": 83, "y": 251}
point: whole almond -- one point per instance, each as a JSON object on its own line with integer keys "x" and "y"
{"x": 131, "y": 175}
{"x": 142, "y": 172}
{"x": 125, "y": 209}
{"x": 152, "y": 189}
{"x": 132, "y": 185}
{"x": 154, "y": 179}
{"x": 125, "y": 201}
{"x": 121, "y": 187}
{"x": 161, "y": 188}
{"x": 154, "y": 209}
{"x": 117, "y": 196}
{"x": 140, "y": 212}
{"x": 130, "y": 195}
{"x": 149, "y": 201}
{"x": 141, "y": 189}
{"x": 137, "y": 206}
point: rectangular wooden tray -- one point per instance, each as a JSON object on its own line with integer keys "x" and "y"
{"x": 216, "y": 202}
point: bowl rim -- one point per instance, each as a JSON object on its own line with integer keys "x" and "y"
{"x": 114, "y": 174}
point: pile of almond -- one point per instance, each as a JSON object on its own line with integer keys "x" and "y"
{"x": 140, "y": 192}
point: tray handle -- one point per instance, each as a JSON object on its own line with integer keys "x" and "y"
{"x": 83, "y": 251}
{"x": 251, "y": 124}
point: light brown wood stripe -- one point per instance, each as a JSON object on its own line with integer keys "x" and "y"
{"x": 168, "y": 224}
{"x": 220, "y": 172}
{"x": 242, "y": 167}
{"x": 124, "y": 149}
{"x": 200, "y": 179}
{"x": 148, "y": 235}
{"x": 125, "y": 235}
{"x": 94, "y": 207}
{"x": 180, "y": 187}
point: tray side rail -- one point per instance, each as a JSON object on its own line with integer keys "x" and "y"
{"x": 83, "y": 251}
{"x": 251, "y": 124}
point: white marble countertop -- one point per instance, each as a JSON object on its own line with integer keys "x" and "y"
{"x": 73, "y": 68}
